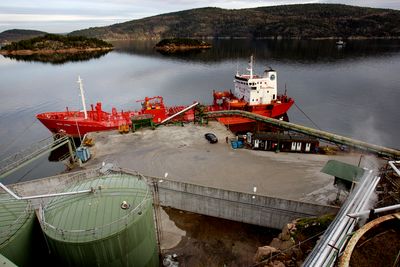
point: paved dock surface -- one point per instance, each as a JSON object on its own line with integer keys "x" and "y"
{"x": 184, "y": 153}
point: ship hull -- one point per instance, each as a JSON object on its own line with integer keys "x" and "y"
{"x": 75, "y": 129}
{"x": 74, "y": 123}
{"x": 239, "y": 124}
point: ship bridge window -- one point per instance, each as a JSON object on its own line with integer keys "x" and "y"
{"x": 273, "y": 96}
{"x": 253, "y": 88}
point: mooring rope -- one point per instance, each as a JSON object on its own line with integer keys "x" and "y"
{"x": 307, "y": 116}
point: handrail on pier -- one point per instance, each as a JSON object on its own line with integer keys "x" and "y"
{"x": 22, "y": 158}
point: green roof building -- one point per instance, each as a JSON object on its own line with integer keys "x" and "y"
{"x": 345, "y": 174}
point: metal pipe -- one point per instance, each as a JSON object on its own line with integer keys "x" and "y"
{"x": 45, "y": 195}
{"x": 391, "y": 163}
{"x": 180, "y": 112}
{"x": 334, "y": 238}
{"x": 379, "y": 210}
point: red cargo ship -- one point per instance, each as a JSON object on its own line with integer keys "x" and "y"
{"x": 78, "y": 123}
{"x": 254, "y": 93}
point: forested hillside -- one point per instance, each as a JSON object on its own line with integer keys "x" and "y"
{"x": 290, "y": 21}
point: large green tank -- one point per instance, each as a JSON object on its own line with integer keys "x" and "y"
{"x": 111, "y": 226}
{"x": 16, "y": 225}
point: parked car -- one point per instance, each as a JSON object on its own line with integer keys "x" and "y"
{"x": 211, "y": 138}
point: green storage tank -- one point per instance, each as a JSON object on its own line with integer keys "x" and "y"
{"x": 111, "y": 226}
{"x": 16, "y": 226}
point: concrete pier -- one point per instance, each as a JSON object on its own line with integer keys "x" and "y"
{"x": 187, "y": 157}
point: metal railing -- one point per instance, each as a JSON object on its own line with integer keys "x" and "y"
{"x": 6, "y": 231}
{"x": 26, "y": 155}
{"x": 97, "y": 232}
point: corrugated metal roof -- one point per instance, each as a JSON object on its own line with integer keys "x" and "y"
{"x": 13, "y": 215}
{"x": 343, "y": 170}
{"x": 92, "y": 216}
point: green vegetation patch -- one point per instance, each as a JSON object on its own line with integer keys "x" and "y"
{"x": 57, "y": 42}
{"x": 309, "y": 227}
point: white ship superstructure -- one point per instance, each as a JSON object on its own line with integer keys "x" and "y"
{"x": 255, "y": 89}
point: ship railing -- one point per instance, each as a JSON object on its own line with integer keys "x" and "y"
{"x": 98, "y": 232}
{"x": 6, "y": 231}
{"x": 29, "y": 153}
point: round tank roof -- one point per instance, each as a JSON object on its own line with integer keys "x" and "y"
{"x": 13, "y": 215}
{"x": 116, "y": 201}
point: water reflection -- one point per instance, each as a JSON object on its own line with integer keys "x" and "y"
{"x": 302, "y": 51}
{"x": 59, "y": 58}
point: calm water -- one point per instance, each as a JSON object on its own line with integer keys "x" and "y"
{"x": 353, "y": 91}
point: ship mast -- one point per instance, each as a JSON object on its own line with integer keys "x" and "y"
{"x": 251, "y": 67}
{"x": 82, "y": 96}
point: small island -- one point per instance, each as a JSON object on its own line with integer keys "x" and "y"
{"x": 180, "y": 44}
{"x": 55, "y": 44}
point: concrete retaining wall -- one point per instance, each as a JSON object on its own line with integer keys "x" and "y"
{"x": 237, "y": 206}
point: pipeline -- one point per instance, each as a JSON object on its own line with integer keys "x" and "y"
{"x": 11, "y": 193}
{"x": 335, "y": 138}
{"x": 375, "y": 211}
{"x": 332, "y": 242}
{"x": 180, "y": 112}
{"x": 392, "y": 164}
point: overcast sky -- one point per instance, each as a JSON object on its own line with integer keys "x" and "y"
{"x": 61, "y": 16}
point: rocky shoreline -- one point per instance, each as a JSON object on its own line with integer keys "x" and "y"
{"x": 50, "y": 51}
{"x": 174, "y": 48}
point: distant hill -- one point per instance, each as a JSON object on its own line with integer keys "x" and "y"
{"x": 290, "y": 21}
{"x": 18, "y": 35}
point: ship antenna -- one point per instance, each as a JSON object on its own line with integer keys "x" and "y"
{"x": 237, "y": 68}
{"x": 83, "y": 96}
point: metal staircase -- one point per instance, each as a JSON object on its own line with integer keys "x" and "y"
{"x": 36, "y": 150}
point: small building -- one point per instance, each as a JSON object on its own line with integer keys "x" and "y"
{"x": 286, "y": 142}
{"x": 345, "y": 174}
{"x": 141, "y": 121}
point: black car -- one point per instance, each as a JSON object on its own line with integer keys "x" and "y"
{"x": 211, "y": 138}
